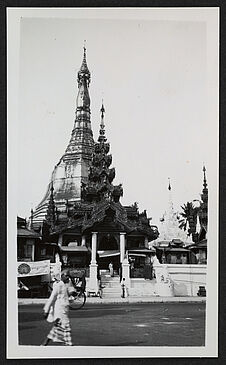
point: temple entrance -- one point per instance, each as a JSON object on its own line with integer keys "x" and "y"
{"x": 108, "y": 243}
{"x": 108, "y": 251}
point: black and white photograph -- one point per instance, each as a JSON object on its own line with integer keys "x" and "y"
{"x": 112, "y": 182}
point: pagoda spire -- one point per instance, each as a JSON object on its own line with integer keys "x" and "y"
{"x": 73, "y": 167}
{"x": 204, "y": 177}
{"x": 83, "y": 99}
{"x": 204, "y": 203}
{"x": 99, "y": 186}
{"x": 84, "y": 71}
{"x": 169, "y": 186}
{"x": 171, "y": 210}
{"x": 102, "y": 137}
{"x": 170, "y": 229}
{"x": 81, "y": 140}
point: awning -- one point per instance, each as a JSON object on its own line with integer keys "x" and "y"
{"x": 174, "y": 249}
{"x": 142, "y": 250}
{"x": 108, "y": 253}
{"x": 201, "y": 244}
{"x": 160, "y": 244}
{"x": 74, "y": 248}
{"x": 137, "y": 254}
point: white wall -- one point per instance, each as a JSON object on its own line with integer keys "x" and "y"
{"x": 187, "y": 278}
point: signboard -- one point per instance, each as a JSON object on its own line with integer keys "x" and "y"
{"x": 33, "y": 268}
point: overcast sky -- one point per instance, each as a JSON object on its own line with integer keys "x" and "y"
{"x": 152, "y": 75}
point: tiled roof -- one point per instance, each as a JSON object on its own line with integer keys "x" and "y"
{"x": 24, "y": 232}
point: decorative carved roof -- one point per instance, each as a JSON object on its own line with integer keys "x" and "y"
{"x": 99, "y": 186}
{"x": 89, "y": 216}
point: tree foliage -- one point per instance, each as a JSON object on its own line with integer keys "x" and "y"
{"x": 189, "y": 219}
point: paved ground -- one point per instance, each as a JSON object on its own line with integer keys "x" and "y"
{"x": 141, "y": 299}
{"x": 143, "y": 324}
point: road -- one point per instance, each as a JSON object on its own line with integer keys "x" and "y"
{"x": 144, "y": 324}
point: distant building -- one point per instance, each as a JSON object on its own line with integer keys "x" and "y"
{"x": 27, "y": 239}
{"x": 172, "y": 241}
{"x": 169, "y": 224}
{"x": 175, "y": 245}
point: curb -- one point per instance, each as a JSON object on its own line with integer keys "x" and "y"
{"x": 94, "y": 300}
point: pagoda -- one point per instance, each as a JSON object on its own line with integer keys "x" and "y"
{"x": 81, "y": 211}
{"x": 100, "y": 212}
{"x": 72, "y": 169}
{"x": 169, "y": 228}
{"x": 172, "y": 241}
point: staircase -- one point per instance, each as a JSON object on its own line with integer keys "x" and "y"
{"x": 111, "y": 285}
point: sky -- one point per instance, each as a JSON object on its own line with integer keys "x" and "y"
{"x": 154, "y": 77}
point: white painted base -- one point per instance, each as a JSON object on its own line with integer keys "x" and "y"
{"x": 92, "y": 284}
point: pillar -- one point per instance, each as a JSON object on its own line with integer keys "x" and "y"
{"x": 60, "y": 240}
{"x": 122, "y": 246}
{"x": 33, "y": 252}
{"x": 92, "y": 284}
{"x": 94, "y": 248}
{"x": 126, "y": 272}
{"x": 83, "y": 240}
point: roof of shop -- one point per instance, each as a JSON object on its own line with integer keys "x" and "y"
{"x": 74, "y": 248}
{"x": 24, "y": 232}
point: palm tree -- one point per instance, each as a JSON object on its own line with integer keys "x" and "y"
{"x": 189, "y": 219}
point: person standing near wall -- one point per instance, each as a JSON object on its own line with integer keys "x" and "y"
{"x": 184, "y": 259}
{"x": 148, "y": 268}
{"x": 111, "y": 269}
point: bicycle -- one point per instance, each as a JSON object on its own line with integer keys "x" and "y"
{"x": 77, "y": 298}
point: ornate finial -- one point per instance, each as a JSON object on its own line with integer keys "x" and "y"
{"x": 102, "y": 111}
{"x": 204, "y": 177}
{"x": 169, "y": 187}
{"x": 102, "y": 137}
{"x": 84, "y": 71}
{"x": 84, "y": 51}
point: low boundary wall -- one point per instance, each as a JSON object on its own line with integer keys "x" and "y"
{"x": 187, "y": 278}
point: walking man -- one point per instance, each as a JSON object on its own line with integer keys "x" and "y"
{"x": 57, "y": 306}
